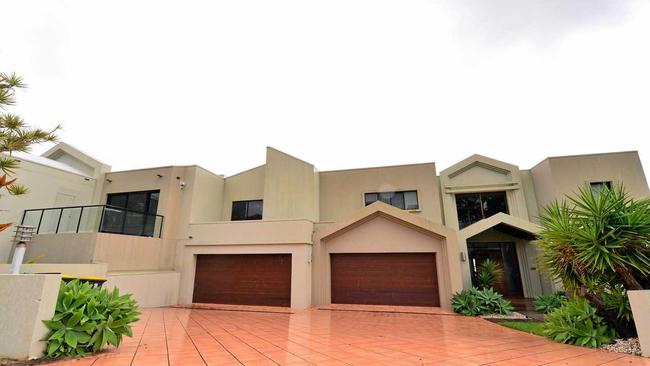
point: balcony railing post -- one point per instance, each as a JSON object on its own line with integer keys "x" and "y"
{"x": 58, "y": 222}
{"x": 81, "y": 213}
{"x": 101, "y": 220}
{"x": 38, "y": 229}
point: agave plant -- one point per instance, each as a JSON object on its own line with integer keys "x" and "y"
{"x": 489, "y": 271}
{"x": 87, "y": 319}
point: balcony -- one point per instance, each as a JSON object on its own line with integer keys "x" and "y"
{"x": 93, "y": 219}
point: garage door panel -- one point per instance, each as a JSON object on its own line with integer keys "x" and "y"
{"x": 243, "y": 279}
{"x": 384, "y": 279}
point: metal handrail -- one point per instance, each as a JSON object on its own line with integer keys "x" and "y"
{"x": 101, "y": 227}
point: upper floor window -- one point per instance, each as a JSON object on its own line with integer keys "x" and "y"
{"x": 600, "y": 186}
{"x": 246, "y": 210}
{"x": 146, "y": 201}
{"x": 473, "y": 207}
{"x": 137, "y": 213}
{"x": 406, "y": 200}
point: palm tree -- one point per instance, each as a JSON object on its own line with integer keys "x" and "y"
{"x": 15, "y": 135}
{"x": 595, "y": 240}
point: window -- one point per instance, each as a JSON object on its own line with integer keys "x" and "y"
{"x": 247, "y": 210}
{"x": 473, "y": 207}
{"x": 134, "y": 213}
{"x": 597, "y": 187}
{"x": 406, "y": 200}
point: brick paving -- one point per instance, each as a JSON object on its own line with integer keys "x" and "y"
{"x": 343, "y": 336}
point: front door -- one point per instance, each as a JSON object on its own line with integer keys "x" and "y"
{"x": 505, "y": 254}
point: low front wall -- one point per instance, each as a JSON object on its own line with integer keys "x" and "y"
{"x": 300, "y": 267}
{"x": 71, "y": 269}
{"x": 118, "y": 252}
{"x": 149, "y": 289}
{"x": 25, "y": 301}
{"x": 640, "y": 303}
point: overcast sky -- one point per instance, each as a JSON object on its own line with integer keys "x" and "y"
{"x": 340, "y": 84}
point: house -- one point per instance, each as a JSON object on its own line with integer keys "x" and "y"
{"x": 286, "y": 234}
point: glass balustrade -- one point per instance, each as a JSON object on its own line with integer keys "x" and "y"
{"x": 97, "y": 218}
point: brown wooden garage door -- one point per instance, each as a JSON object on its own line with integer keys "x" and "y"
{"x": 384, "y": 279}
{"x": 243, "y": 279}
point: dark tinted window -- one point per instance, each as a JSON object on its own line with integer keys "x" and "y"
{"x": 600, "y": 186}
{"x": 406, "y": 200}
{"x": 472, "y": 207}
{"x": 137, "y": 216}
{"x": 247, "y": 210}
{"x": 135, "y": 201}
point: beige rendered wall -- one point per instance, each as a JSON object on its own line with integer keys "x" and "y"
{"x": 290, "y": 188}
{"x": 558, "y": 176}
{"x": 21, "y": 318}
{"x": 342, "y": 191}
{"x": 207, "y": 190}
{"x": 49, "y": 187}
{"x": 62, "y": 248}
{"x": 149, "y": 289}
{"x": 381, "y": 235}
{"x": 640, "y": 303}
{"x": 119, "y": 252}
{"x": 71, "y": 269}
{"x": 247, "y": 185}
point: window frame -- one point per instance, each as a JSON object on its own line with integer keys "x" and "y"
{"x": 480, "y": 197}
{"x": 246, "y": 216}
{"x": 606, "y": 183}
{"x": 146, "y": 212}
{"x": 378, "y": 193}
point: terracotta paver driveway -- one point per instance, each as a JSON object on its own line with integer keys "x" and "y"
{"x": 174, "y": 336}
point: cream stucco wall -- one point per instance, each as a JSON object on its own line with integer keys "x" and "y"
{"x": 342, "y": 192}
{"x": 247, "y": 185}
{"x": 48, "y": 187}
{"x": 149, "y": 289}
{"x": 119, "y": 252}
{"x": 21, "y": 319}
{"x": 558, "y": 176}
{"x": 290, "y": 188}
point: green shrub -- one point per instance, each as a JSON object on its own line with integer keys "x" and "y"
{"x": 488, "y": 272}
{"x": 615, "y": 297}
{"x": 576, "y": 322}
{"x": 547, "y": 303}
{"x": 86, "y": 319}
{"x": 474, "y": 302}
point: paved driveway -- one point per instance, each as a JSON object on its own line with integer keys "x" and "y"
{"x": 174, "y": 336}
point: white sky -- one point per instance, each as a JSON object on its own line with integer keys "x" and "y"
{"x": 338, "y": 83}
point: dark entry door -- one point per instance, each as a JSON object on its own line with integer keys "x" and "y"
{"x": 384, "y": 279}
{"x": 243, "y": 279}
{"x": 509, "y": 283}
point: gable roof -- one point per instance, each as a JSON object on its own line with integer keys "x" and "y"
{"x": 380, "y": 209}
{"x": 503, "y": 222}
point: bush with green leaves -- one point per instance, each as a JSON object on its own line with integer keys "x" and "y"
{"x": 87, "y": 319}
{"x": 488, "y": 272}
{"x": 576, "y": 322}
{"x": 547, "y": 303}
{"x": 484, "y": 301}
